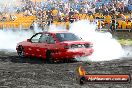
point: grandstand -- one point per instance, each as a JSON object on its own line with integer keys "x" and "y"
{"x": 103, "y": 22}
{"x": 21, "y": 21}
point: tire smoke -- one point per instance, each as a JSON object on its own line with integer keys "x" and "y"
{"x": 105, "y": 47}
{"x": 10, "y": 38}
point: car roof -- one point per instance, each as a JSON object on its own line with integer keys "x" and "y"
{"x": 54, "y": 32}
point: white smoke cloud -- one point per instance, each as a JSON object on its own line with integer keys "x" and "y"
{"x": 105, "y": 47}
{"x": 53, "y": 27}
{"x": 10, "y": 38}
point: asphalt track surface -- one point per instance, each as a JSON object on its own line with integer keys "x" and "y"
{"x": 36, "y": 73}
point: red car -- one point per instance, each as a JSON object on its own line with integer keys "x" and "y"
{"x": 54, "y": 46}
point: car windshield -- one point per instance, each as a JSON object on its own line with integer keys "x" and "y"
{"x": 67, "y": 37}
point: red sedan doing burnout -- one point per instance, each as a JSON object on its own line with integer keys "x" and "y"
{"x": 54, "y": 46}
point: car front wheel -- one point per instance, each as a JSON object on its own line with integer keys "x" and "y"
{"x": 21, "y": 52}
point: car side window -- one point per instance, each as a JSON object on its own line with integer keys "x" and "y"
{"x": 47, "y": 38}
{"x": 50, "y": 40}
{"x": 36, "y": 38}
{"x": 43, "y": 38}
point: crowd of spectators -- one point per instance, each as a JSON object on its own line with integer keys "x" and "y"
{"x": 50, "y": 11}
{"x": 55, "y": 11}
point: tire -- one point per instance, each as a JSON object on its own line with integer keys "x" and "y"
{"x": 49, "y": 58}
{"x": 82, "y": 81}
{"x": 21, "y": 52}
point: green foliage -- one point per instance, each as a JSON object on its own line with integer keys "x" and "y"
{"x": 125, "y": 41}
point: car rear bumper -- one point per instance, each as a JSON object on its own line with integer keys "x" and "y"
{"x": 72, "y": 53}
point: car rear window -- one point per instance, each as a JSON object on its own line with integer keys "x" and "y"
{"x": 67, "y": 37}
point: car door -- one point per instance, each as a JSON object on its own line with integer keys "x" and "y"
{"x": 41, "y": 46}
{"x": 46, "y": 42}
{"x": 34, "y": 42}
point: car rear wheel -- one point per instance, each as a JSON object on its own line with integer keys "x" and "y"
{"x": 49, "y": 58}
{"x": 21, "y": 52}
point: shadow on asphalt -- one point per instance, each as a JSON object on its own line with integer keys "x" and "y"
{"x": 31, "y": 60}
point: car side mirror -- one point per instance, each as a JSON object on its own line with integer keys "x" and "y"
{"x": 28, "y": 40}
